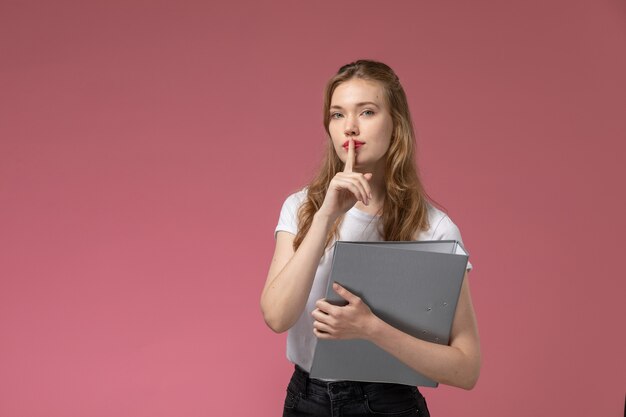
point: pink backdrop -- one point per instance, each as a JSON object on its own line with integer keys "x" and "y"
{"x": 146, "y": 148}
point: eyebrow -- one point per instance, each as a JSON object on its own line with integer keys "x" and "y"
{"x": 361, "y": 104}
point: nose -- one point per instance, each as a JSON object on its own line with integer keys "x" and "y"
{"x": 351, "y": 128}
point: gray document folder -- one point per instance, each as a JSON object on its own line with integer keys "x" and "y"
{"x": 413, "y": 286}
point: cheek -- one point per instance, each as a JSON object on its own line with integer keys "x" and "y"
{"x": 388, "y": 132}
{"x": 334, "y": 130}
{"x": 384, "y": 135}
{"x": 336, "y": 137}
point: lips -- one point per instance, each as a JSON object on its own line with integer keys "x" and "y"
{"x": 357, "y": 144}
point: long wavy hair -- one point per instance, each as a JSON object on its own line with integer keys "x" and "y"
{"x": 404, "y": 211}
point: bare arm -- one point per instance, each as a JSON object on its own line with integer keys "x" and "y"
{"x": 291, "y": 274}
{"x": 457, "y": 364}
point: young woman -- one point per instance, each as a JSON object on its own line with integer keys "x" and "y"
{"x": 367, "y": 189}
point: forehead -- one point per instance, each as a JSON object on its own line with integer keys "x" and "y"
{"x": 358, "y": 90}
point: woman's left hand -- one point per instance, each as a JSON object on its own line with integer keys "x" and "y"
{"x": 352, "y": 321}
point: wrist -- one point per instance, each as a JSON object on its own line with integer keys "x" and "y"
{"x": 374, "y": 328}
{"x": 323, "y": 219}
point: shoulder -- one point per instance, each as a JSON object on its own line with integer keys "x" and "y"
{"x": 295, "y": 200}
{"x": 288, "y": 219}
{"x": 441, "y": 226}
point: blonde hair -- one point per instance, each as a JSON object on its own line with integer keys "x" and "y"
{"x": 405, "y": 205}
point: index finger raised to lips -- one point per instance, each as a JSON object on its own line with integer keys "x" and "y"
{"x": 350, "y": 159}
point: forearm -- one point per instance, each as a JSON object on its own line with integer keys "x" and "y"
{"x": 448, "y": 365}
{"x": 284, "y": 299}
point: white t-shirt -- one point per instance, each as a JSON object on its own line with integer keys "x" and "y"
{"x": 356, "y": 226}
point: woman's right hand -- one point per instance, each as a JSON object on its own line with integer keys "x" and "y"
{"x": 291, "y": 275}
{"x": 346, "y": 188}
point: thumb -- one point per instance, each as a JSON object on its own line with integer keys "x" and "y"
{"x": 345, "y": 294}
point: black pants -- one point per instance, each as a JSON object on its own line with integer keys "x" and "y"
{"x": 316, "y": 398}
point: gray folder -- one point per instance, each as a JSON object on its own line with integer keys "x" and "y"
{"x": 414, "y": 286}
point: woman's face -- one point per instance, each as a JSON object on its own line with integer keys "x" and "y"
{"x": 358, "y": 110}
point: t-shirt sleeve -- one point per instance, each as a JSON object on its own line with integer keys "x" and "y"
{"x": 447, "y": 230}
{"x": 288, "y": 219}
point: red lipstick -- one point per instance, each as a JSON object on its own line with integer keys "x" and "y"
{"x": 357, "y": 144}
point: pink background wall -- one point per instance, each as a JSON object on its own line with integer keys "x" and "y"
{"x": 146, "y": 148}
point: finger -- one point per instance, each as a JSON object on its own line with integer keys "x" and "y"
{"x": 364, "y": 181}
{"x": 368, "y": 177}
{"x": 319, "y": 315}
{"x": 360, "y": 180}
{"x": 350, "y": 160}
{"x": 326, "y": 308}
{"x": 356, "y": 181}
{"x": 345, "y": 294}
{"x": 322, "y": 327}
{"x": 354, "y": 186}
{"x": 322, "y": 335}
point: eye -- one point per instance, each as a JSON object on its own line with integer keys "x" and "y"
{"x": 368, "y": 113}
{"x": 335, "y": 115}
